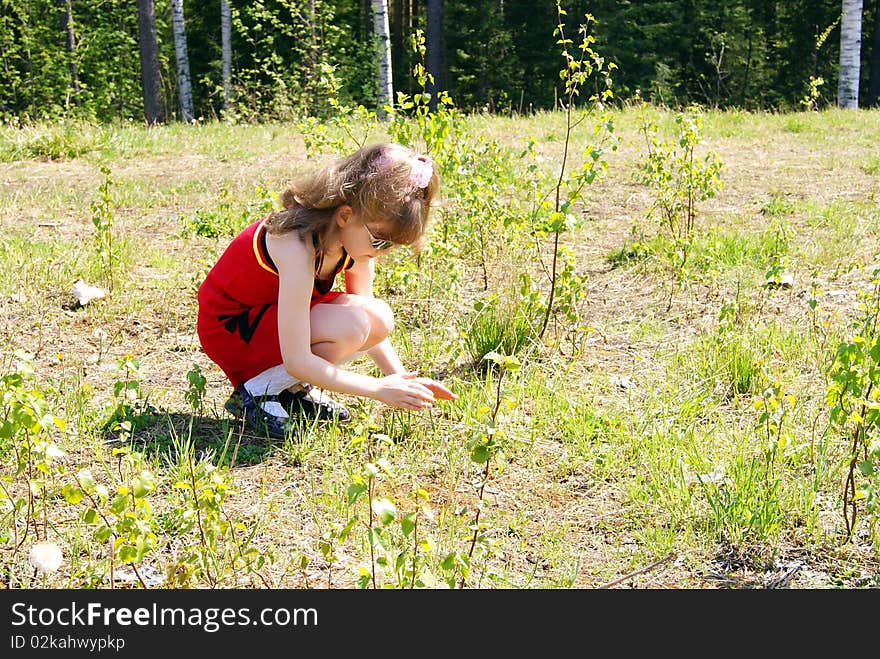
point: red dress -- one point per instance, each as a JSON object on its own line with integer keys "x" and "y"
{"x": 238, "y": 306}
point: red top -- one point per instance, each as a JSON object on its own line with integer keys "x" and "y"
{"x": 238, "y": 305}
{"x": 245, "y": 275}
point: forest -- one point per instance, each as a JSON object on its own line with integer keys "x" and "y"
{"x": 286, "y": 58}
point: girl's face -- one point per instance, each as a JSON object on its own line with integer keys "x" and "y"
{"x": 380, "y": 244}
{"x": 360, "y": 239}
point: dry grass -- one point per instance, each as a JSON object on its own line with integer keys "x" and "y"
{"x": 557, "y": 524}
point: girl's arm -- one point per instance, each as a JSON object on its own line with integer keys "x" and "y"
{"x": 295, "y": 263}
{"x": 359, "y": 281}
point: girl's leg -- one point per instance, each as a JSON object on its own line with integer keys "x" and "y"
{"x": 271, "y": 382}
{"x": 349, "y": 324}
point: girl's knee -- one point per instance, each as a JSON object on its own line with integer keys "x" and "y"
{"x": 381, "y": 319}
{"x": 360, "y": 326}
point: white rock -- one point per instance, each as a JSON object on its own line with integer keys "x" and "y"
{"x": 84, "y": 293}
{"x": 45, "y": 556}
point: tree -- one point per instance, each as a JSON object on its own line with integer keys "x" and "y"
{"x": 184, "y": 85}
{"x": 380, "y": 28}
{"x": 874, "y": 65}
{"x": 480, "y": 62}
{"x": 70, "y": 47}
{"x": 433, "y": 37}
{"x": 226, "y": 46}
{"x": 850, "y": 54}
{"x": 149, "y": 49}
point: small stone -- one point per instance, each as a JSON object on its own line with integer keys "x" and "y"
{"x": 84, "y": 293}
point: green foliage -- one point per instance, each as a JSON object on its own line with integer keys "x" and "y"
{"x": 485, "y": 49}
{"x": 212, "y": 546}
{"x": 37, "y": 81}
{"x": 33, "y": 469}
{"x": 633, "y": 250}
{"x": 432, "y": 128}
{"x": 872, "y": 165}
{"x": 130, "y": 410}
{"x": 732, "y": 357}
{"x": 730, "y": 54}
{"x": 102, "y": 219}
{"x": 346, "y": 128}
{"x": 121, "y": 515}
{"x": 774, "y": 405}
{"x": 721, "y": 54}
{"x": 678, "y": 180}
{"x": 402, "y": 552}
{"x": 505, "y": 323}
{"x": 810, "y": 101}
{"x": 853, "y": 397}
{"x": 61, "y": 140}
{"x": 228, "y": 218}
{"x": 746, "y": 505}
{"x": 556, "y": 217}
{"x": 486, "y": 446}
{"x": 195, "y": 392}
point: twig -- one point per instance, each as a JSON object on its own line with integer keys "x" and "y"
{"x": 138, "y": 575}
{"x": 783, "y": 580}
{"x": 647, "y": 568}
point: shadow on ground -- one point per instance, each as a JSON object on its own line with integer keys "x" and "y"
{"x": 171, "y": 433}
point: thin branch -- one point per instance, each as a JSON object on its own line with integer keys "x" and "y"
{"x": 642, "y": 570}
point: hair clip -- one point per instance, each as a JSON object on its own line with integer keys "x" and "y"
{"x": 421, "y": 172}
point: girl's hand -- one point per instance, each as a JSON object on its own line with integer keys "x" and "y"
{"x": 438, "y": 389}
{"x": 410, "y": 392}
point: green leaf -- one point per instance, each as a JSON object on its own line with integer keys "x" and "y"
{"x": 480, "y": 454}
{"x": 376, "y": 538}
{"x": 118, "y": 504}
{"x": 384, "y": 510}
{"x": 343, "y": 534}
{"x": 143, "y": 484}
{"x": 86, "y": 480}
{"x": 355, "y": 490}
{"x": 127, "y": 554}
{"x": 90, "y": 516}
{"x": 875, "y": 352}
{"x": 408, "y": 524}
{"x": 103, "y": 533}
{"x": 508, "y": 362}
{"x": 72, "y": 494}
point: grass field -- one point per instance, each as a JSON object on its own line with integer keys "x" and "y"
{"x": 670, "y": 429}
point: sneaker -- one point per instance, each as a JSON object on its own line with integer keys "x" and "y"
{"x": 308, "y": 403}
{"x": 257, "y": 414}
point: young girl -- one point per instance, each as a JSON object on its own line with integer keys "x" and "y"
{"x": 267, "y": 314}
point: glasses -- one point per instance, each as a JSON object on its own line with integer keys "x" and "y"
{"x": 378, "y": 243}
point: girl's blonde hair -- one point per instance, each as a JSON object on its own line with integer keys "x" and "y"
{"x": 383, "y": 182}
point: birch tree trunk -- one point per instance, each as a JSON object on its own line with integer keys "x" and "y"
{"x": 149, "y": 50}
{"x": 380, "y": 29}
{"x": 226, "y": 45}
{"x": 184, "y": 85}
{"x": 850, "y": 54}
